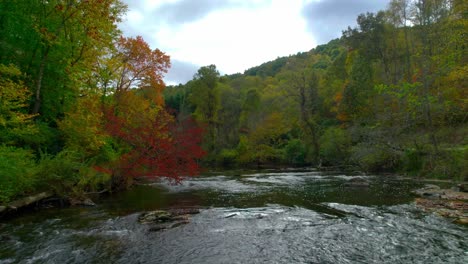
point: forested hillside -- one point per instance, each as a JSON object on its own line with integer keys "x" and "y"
{"x": 389, "y": 95}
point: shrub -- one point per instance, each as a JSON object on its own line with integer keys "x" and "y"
{"x": 17, "y": 172}
{"x": 227, "y": 157}
{"x": 374, "y": 157}
{"x": 335, "y": 146}
{"x": 412, "y": 161}
{"x": 60, "y": 173}
{"x": 449, "y": 164}
{"x": 295, "y": 152}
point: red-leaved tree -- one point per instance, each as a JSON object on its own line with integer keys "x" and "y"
{"x": 155, "y": 144}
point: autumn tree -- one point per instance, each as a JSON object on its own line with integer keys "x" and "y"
{"x": 15, "y": 123}
{"x": 153, "y": 143}
{"x": 140, "y": 67}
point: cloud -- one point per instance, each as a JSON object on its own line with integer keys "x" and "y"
{"x": 185, "y": 11}
{"x": 180, "y": 72}
{"x": 326, "y": 19}
{"x": 232, "y": 34}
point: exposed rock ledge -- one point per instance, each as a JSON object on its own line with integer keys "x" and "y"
{"x": 444, "y": 202}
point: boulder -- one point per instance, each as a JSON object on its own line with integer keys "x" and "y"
{"x": 429, "y": 191}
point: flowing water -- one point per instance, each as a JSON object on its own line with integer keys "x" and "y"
{"x": 287, "y": 216}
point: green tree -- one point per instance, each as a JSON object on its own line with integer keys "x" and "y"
{"x": 205, "y": 96}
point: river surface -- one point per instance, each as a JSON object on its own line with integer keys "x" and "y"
{"x": 282, "y": 216}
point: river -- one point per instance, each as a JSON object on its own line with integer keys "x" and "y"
{"x": 268, "y": 216}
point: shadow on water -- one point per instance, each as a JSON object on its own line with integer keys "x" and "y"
{"x": 268, "y": 216}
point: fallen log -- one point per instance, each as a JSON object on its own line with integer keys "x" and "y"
{"x": 25, "y": 201}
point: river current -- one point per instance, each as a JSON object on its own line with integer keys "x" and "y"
{"x": 269, "y": 216}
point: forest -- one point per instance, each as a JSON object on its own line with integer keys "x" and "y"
{"x": 85, "y": 109}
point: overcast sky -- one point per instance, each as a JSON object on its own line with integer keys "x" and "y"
{"x": 238, "y": 34}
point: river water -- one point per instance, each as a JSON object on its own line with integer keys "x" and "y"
{"x": 285, "y": 216}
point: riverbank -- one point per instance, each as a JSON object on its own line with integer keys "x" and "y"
{"x": 451, "y": 203}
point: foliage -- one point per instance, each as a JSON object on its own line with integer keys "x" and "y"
{"x": 17, "y": 172}
{"x": 335, "y": 147}
{"x": 153, "y": 144}
{"x": 60, "y": 173}
{"x": 228, "y": 157}
{"x": 295, "y": 152}
{"x": 374, "y": 157}
{"x": 141, "y": 67}
{"x": 206, "y": 100}
{"x": 83, "y": 126}
{"x": 15, "y": 123}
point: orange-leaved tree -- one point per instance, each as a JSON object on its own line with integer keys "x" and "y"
{"x": 141, "y": 67}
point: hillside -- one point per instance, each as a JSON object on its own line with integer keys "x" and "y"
{"x": 384, "y": 97}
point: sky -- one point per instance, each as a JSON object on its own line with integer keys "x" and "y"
{"x": 236, "y": 35}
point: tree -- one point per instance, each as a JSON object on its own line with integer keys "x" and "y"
{"x": 153, "y": 144}
{"x": 205, "y": 97}
{"x": 304, "y": 87}
{"x": 141, "y": 67}
{"x": 15, "y": 123}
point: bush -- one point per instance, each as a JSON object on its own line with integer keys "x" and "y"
{"x": 335, "y": 146}
{"x": 295, "y": 152}
{"x": 61, "y": 173}
{"x": 70, "y": 173}
{"x": 412, "y": 161}
{"x": 227, "y": 157}
{"x": 374, "y": 157}
{"x": 17, "y": 172}
{"x": 449, "y": 164}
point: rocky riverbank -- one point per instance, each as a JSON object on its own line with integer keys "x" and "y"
{"x": 450, "y": 203}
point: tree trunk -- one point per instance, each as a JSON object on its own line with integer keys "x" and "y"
{"x": 37, "y": 101}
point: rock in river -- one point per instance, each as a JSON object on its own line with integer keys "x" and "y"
{"x": 161, "y": 220}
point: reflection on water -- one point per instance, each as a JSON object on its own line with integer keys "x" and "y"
{"x": 251, "y": 217}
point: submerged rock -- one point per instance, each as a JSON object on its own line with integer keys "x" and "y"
{"x": 82, "y": 202}
{"x": 158, "y": 216}
{"x": 161, "y": 220}
{"x": 357, "y": 182}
